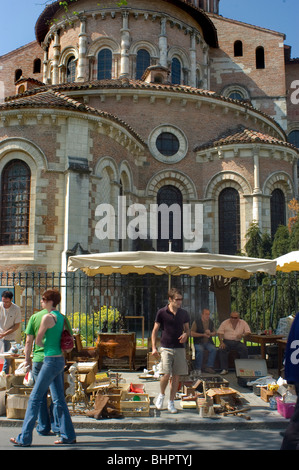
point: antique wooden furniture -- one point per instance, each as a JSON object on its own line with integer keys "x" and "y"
{"x": 117, "y": 345}
{"x": 263, "y": 340}
{"x": 81, "y": 353}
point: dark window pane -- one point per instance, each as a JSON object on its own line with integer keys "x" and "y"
{"x": 293, "y": 138}
{"x": 15, "y": 201}
{"x": 170, "y": 195}
{"x": 175, "y": 71}
{"x": 238, "y": 49}
{"x": 278, "y": 212}
{"x": 167, "y": 144}
{"x": 104, "y": 64}
{"x": 229, "y": 221}
{"x": 260, "y": 58}
{"x": 71, "y": 70}
{"x": 142, "y": 63}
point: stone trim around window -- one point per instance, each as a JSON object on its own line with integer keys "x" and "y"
{"x": 183, "y": 144}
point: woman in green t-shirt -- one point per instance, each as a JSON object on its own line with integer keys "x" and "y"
{"x": 50, "y": 376}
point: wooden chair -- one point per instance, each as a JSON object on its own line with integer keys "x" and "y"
{"x": 81, "y": 353}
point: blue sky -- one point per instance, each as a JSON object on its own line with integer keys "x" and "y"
{"x": 18, "y": 18}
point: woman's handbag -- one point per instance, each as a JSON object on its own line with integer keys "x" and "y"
{"x": 67, "y": 339}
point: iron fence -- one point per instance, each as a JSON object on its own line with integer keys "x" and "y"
{"x": 88, "y": 302}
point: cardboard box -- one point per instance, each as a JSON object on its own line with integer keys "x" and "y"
{"x": 16, "y": 404}
{"x": 248, "y": 370}
{"x": 86, "y": 367}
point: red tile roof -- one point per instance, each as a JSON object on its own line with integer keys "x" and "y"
{"x": 241, "y": 135}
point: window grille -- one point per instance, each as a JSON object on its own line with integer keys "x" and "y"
{"x": 229, "y": 221}
{"x": 15, "y": 202}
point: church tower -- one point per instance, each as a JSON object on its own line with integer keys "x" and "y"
{"x": 211, "y": 6}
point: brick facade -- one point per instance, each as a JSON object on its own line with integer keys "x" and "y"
{"x": 89, "y": 141}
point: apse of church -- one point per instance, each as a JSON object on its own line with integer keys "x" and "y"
{"x": 115, "y": 111}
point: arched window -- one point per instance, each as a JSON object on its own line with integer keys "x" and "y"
{"x": 18, "y": 74}
{"x": 293, "y": 138}
{"x": 260, "y": 57}
{"x": 176, "y": 69}
{"x": 229, "y": 221}
{"x": 142, "y": 63}
{"x": 238, "y": 49}
{"x": 104, "y": 64}
{"x": 15, "y": 202}
{"x": 170, "y": 222}
{"x": 71, "y": 70}
{"x": 37, "y": 66}
{"x": 235, "y": 95}
{"x": 278, "y": 210}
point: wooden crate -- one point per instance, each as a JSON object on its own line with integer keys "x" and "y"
{"x": 266, "y": 394}
{"x": 114, "y": 395}
{"x": 129, "y": 407}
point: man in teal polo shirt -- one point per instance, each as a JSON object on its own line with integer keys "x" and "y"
{"x": 46, "y": 421}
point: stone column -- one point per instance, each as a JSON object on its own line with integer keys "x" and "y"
{"x": 163, "y": 43}
{"x": 82, "y": 51}
{"x": 45, "y": 63}
{"x": 256, "y": 191}
{"x": 193, "y": 60}
{"x": 56, "y": 57}
{"x": 125, "y": 45}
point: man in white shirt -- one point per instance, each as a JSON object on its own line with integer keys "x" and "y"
{"x": 230, "y": 333}
{"x": 10, "y": 320}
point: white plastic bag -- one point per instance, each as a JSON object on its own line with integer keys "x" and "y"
{"x": 2, "y": 380}
{"x": 28, "y": 379}
{"x": 21, "y": 370}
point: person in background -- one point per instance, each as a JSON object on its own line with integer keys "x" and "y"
{"x": 174, "y": 323}
{"x": 231, "y": 332}
{"x": 51, "y": 375}
{"x": 202, "y": 331}
{"x": 10, "y": 320}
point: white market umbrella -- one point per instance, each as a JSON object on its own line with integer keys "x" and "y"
{"x": 170, "y": 263}
{"x": 288, "y": 263}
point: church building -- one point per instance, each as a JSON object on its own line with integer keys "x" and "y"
{"x": 119, "y": 108}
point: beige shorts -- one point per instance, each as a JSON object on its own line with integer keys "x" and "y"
{"x": 173, "y": 361}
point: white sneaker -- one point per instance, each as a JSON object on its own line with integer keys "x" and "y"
{"x": 171, "y": 407}
{"x": 159, "y": 401}
{"x": 224, "y": 372}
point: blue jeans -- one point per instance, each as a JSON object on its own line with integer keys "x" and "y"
{"x": 50, "y": 376}
{"x": 45, "y": 419}
{"x": 199, "y": 350}
{"x": 7, "y": 344}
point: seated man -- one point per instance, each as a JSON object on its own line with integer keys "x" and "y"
{"x": 231, "y": 332}
{"x": 202, "y": 331}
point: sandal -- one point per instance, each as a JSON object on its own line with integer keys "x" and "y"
{"x": 61, "y": 441}
{"x": 16, "y": 443}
